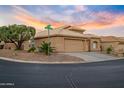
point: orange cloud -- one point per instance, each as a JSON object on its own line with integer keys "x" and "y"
{"x": 103, "y": 19}
{"x": 55, "y": 23}
{"x": 30, "y": 20}
{"x": 106, "y": 20}
{"x": 26, "y": 17}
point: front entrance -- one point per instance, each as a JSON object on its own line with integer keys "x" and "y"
{"x": 73, "y": 45}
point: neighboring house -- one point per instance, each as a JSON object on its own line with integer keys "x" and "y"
{"x": 109, "y": 41}
{"x": 117, "y": 43}
{"x": 69, "y": 39}
{"x": 120, "y": 49}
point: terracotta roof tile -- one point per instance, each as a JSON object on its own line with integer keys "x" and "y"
{"x": 65, "y": 31}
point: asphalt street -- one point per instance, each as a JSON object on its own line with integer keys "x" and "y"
{"x": 107, "y": 74}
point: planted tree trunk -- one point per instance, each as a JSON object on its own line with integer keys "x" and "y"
{"x": 19, "y": 46}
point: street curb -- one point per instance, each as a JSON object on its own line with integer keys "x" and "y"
{"x": 43, "y": 62}
{"x": 40, "y": 62}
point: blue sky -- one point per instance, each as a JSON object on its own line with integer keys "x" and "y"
{"x": 96, "y": 19}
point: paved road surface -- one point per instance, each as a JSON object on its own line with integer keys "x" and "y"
{"x": 99, "y": 74}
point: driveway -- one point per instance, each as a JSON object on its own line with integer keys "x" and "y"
{"x": 93, "y": 56}
{"x": 93, "y": 75}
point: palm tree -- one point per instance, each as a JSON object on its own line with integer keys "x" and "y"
{"x": 48, "y": 27}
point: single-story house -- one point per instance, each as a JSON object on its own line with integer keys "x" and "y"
{"x": 73, "y": 39}
{"x": 69, "y": 39}
{"x": 117, "y": 43}
{"x": 109, "y": 41}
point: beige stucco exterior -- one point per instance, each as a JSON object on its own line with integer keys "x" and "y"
{"x": 70, "y": 44}
{"x": 105, "y": 45}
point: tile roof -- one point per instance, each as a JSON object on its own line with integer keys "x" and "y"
{"x": 121, "y": 39}
{"x": 109, "y": 39}
{"x": 65, "y": 31}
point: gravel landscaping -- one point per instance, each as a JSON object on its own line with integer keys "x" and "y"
{"x": 24, "y": 55}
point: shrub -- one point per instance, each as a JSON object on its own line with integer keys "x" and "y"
{"x": 44, "y": 48}
{"x": 32, "y": 49}
{"x": 109, "y": 50}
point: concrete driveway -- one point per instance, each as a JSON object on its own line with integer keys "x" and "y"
{"x": 93, "y": 56}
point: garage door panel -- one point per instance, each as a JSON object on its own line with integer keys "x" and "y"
{"x": 73, "y": 45}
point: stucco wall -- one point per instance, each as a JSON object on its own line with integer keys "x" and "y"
{"x": 105, "y": 45}
{"x": 9, "y": 46}
{"x": 86, "y": 45}
{"x": 57, "y": 42}
{"x": 119, "y": 48}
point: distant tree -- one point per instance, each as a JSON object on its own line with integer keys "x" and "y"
{"x": 16, "y": 34}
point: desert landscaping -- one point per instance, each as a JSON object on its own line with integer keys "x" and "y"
{"x": 27, "y": 45}
{"x": 26, "y": 56}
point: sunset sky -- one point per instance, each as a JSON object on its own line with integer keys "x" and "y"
{"x": 99, "y": 20}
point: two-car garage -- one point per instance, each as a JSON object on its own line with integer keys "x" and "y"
{"x": 73, "y": 45}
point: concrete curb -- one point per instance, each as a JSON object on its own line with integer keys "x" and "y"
{"x": 40, "y": 62}
{"x": 43, "y": 62}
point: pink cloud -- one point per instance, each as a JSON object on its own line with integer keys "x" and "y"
{"x": 104, "y": 20}
{"x": 80, "y": 8}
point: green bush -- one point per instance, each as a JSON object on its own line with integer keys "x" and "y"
{"x": 32, "y": 49}
{"x": 44, "y": 48}
{"x": 109, "y": 50}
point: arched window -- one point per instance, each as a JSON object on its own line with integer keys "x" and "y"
{"x": 95, "y": 44}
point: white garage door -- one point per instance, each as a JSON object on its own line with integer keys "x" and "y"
{"x": 72, "y": 45}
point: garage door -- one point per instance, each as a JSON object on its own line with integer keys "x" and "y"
{"x": 72, "y": 45}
